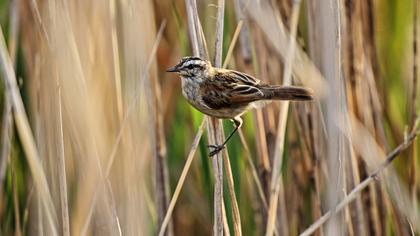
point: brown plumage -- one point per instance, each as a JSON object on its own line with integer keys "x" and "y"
{"x": 228, "y": 94}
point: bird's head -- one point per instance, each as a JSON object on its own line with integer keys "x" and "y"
{"x": 191, "y": 67}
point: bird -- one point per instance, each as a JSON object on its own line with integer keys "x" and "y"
{"x": 228, "y": 94}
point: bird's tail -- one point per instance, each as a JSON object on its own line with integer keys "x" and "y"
{"x": 291, "y": 93}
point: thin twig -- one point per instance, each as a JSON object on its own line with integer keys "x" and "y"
{"x": 181, "y": 180}
{"x": 232, "y": 44}
{"x": 354, "y": 193}
{"x": 253, "y": 170}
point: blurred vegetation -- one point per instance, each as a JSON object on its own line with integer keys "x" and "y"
{"x": 67, "y": 56}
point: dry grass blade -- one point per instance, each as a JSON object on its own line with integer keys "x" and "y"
{"x": 25, "y": 134}
{"x": 133, "y": 102}
{"x": 232, "y": 44}
{"x": 181, "y": 180}
{"x": 253, "y": 170}
{"x": 153, "y": 93}
{"x": 62, "y": 167}
{"x": 116, "y": 59}
{"x": 372, "y": 177}
{"x": 124, "y": 122}
{"x": 281, "y": 132}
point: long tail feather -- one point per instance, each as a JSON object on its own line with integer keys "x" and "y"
{"x": 287, "y": 93}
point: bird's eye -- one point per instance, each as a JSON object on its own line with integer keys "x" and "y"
{"x": 190, "y": 67}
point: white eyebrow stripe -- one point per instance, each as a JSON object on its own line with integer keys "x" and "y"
{"x": 193, "y": 62}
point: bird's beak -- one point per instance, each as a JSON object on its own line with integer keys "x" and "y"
{"x": 172, "y": 69}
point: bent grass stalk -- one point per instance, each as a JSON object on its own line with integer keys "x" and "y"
{"x": 354, "y": 193}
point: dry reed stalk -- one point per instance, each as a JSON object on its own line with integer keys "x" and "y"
{"x": 161, "y": 171}
{"x": 212, "y": 126}
{"x": 81, "y": 95}
{"x": 336, "y": 109}
{"x": 231, "y": 188}
{"x": 116, "y": 59}
{"x": 372, "y": 177}
{"x": 61, "y": 164}
{"x": 232, "y": 44}
{"x": 253, "y": 170}
{"x": 25, "y": 134}
{"x": 234, "y": 203}
{"x": 215, "y": 130}
{"x": 276, "y": 195}
{"x": 356, "y": 45}
{"x": 181, "y": 180}
{"x": 264, "y": 129}
{"x": 128, "y": 112}
{"x": 193, "y": 147}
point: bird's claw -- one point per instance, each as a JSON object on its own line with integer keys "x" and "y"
{"x": 216, "y": 149}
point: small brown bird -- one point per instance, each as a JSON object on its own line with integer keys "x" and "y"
{"x": 228, "y": 94}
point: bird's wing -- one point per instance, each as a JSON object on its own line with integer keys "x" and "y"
{"x": 230, "y": 89}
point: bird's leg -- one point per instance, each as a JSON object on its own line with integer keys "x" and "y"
{"x": 217, "y": 148}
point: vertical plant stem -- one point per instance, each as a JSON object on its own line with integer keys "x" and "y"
{"x": 62, "y": 166}
{"x": 182, "y": 177}
{"x": 276, "y": 179}
{"x": 215, "y": 130}
{"x": 116, "y": 59}
{"x": 336, "y": 109}
{"x": 162, "y": 181}
{"x": 231, "y": 187}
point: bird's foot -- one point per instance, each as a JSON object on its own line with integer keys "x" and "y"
{"x": 216, "y": 149}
